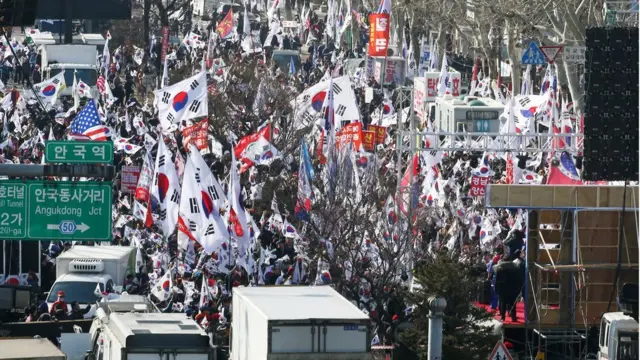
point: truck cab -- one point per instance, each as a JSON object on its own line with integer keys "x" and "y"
{"x": 81, "y": 270}
{"x": 618, "y": 337}
{"x": 80, "y": 59}
{"x": 81, "y": 288}
{"x": 471, "y": 114}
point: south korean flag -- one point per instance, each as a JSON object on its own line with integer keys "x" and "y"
{"x": 182, "y": 101}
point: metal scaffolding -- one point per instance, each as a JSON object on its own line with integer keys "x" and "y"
{"x": 492, "y": 142}
{"x": 571, "y": 342}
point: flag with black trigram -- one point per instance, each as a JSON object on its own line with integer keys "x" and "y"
{"x": 336, "y": 89}
{"x": 211, "y": 230}
{"x": 162, "y": 214}
{"x": 314, "y": 100}
{"x": 183, "y": 101}
{"x": 192, "y": 226}
{"x": 213, "y": 192}
{"x": 307, "y": 118}
{"x": 175, "y": 197}
{"x": 194, "y": 207}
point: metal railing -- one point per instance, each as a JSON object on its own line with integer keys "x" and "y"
{"x": 492, "y": 142}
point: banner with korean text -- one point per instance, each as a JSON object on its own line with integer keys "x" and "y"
{"x": 478, "y": 185}
{"x": 129, "y": 179}
{"x": 350, "y": 134}
{"x": 378, "y": 34}
{"x": 196, "y": 134}
{"x": 381, "y": 133}
{"x": 368, "y": 140}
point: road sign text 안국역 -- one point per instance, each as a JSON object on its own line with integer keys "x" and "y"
{"x": 78, "y": 152}
{"x": 65, "y": 210}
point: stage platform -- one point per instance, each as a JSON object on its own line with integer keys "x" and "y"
{"x": 562, "y": 197}
{"x": 507, "y": 322}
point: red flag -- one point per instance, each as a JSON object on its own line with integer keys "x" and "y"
{"x": 226, "y": 25}
{"x": 475, "y": 71}
{"x": 249, "y": 139}
{"x": 320, "y": 148}
{"x": 148, "y": 221}
{"x": 184, "y": 228}
{"x": 237, "y": 227}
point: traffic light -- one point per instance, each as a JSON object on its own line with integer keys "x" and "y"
{"x": 18, "y": 12}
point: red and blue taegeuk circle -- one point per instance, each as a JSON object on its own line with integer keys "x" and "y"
{"x": 207, "y": 204}
{"x": 180, "y": 101}
{"x": 49, "y": 90}
{"x": 163, "y": 186}
{"x": 318, "y": 100}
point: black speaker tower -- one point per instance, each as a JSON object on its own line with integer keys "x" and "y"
{"x": 611, "y": 104}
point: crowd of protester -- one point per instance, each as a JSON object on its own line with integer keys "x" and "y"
{"x": 459, "y": 216}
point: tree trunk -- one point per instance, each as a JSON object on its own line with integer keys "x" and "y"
{"x": 288, "y": 13}
{"x": 573, "y": 83}
{"x": 514, "y": 59}
{"x": 442, "y": 45}
{"x": 146, "y": 18}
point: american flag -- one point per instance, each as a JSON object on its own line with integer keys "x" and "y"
{"x": 100, "y": 84}
{"x": 212, "y": 89}
{"x": 87, "y": 124}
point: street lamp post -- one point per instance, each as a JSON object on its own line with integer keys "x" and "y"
{"x": 437, "y": 305}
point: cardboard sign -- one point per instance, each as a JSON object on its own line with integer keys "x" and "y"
{"x": 129, "y": 179}
{"x": 478, "y": 185}
{"x": 368, "y": 140}
{"x": 379, "y": 25}
{"x": 381, "y": 133}
{"x": 394, "y": 69}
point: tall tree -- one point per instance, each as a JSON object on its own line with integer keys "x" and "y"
{"x": 466, "y": 334}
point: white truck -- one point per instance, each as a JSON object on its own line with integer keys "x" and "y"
{"x": 148, "y": 336}
{"x": 618, "y": 338}
{"x": 70, "y": 58}
{"x": 31, "y": 349}
{"x": 82, "y": 269}
{"x": 473, "y": 114}
{"x": 291, "y": 322}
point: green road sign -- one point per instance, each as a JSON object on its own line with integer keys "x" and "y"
{"x": 61, "y": 210}
{"x": 79, "y": 152}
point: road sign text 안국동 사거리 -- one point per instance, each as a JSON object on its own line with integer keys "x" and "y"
{"x": 64, "y": 210}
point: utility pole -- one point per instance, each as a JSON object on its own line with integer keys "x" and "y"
{"x": 68, "y": 21}
{"x": 436, "y": 311}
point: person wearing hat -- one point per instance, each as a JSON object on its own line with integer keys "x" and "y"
{"x": 59, "y": 304}
{"x": 205, "y": 313}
